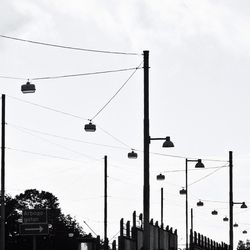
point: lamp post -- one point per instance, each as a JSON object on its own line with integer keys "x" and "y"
{"x": 198, "y": 164}
{"x": 161, "y": 177}
{"x": 3, "y": 177}
{"x": 146, "y": 142}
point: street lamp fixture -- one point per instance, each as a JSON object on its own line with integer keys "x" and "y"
{"x": 183, "y": 191}
{"x": 160, "y": 177}
{"x": 225, "y": 219}
{"x": 198, "y": 164}
{"x": 236, "y": 225}
{"x": 200, "y": 204}
{"x": 90, "y": 127}
{"x": 132, "y": 155}
{"x": 28, "y": 88}
{"x": 243, "y": 205}
{"x": 166, "y": 144}
{"x": 244, "y": 231}
{"x": 214, "y": 212}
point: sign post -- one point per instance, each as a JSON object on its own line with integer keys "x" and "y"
{"x": 35, "y": 222}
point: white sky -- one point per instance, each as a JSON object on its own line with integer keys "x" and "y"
{"x": 199, "y": 95}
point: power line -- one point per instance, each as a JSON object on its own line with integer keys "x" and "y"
{"x": 116, "y": 93}
{"x": 202, "y": 178}
{"x": 82, "y": 74}
{"x": 68, "y": 47}
{"x": 41, "y": 154}
{"x": 193, "y": 169}
{"x": 58, "y": 145}
{"x": 48, "y": 108}
{"x": 64, "y": 137}
{"x": 69, "y": 75}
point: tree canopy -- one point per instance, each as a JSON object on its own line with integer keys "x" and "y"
{"x": 63, "y": 229}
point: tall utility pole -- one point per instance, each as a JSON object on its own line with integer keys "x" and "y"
{"x": 231, "y": 238}
{"x": 161, "y": 206}
{"x": 186, "y": 176}
{"x": 3, "y": 177}
{"x": 105, "y": 203}
{"x": 146, "y": 139}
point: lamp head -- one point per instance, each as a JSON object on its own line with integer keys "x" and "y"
{"x": 28, "y": 88}
{"x": 236, "y": 225}
{"x": 168, "y": 143}
{"x": 214, "y": 212}
{"x": 243, "y": 205}
{"x": 199, "y": 164}
{"x": 160, "y": 177}
{"x": 90, "y": 127}
{"x": 200, "y": 204}
{"x": 225, "y": 219}
{"x": 132, "y": 155}
{"x": 183, "y": 191}
{"x": 244, "y": 232}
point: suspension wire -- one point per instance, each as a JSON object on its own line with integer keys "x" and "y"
{"x": 116, "y": 93}
{"x": 13, "y": 78}
{"x": 89, "y": 227}
{"x": 82, "y": 74}
{"x": 185, "y": 157}
{"x": 193, "y": 169}
{"x": 58, "y": 145}
{"x": 202, "y": 178}
{"x": 48, "y": 108}
{"x": 63, "y": 137}
{"x": 68, "y": 47}
{"x": 41, "y": 154}
{"x": 115, "y": 138}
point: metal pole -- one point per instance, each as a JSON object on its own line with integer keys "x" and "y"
{"x": 161, "y": 206}
{"x": 105, "y": 202}
{"x": 146, "y": 139}
{"x": 186, "y": 174}
{"x": 34, "y": 242}
{"x": 192, "y": 220}
{"x": 3, "y": 177}
{"x": 231, "y": 241}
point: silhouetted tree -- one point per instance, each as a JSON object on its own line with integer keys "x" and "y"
{"x": 61, "y": 226}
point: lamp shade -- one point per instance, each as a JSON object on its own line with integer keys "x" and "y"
{"x": 225, "y": 219}
{"x": 168, "y": 143}
{"x": 214, "y": 212}
{"x": 28, "y": 88}
{"x": 236, "y": 225}
{"x": 132, "y": 155}
{"x": 243, "y": 205}
{"x": 183, "y": 191}
{"x": 244, "y": 231}
{"x": 200, "y": 204}
{"x": 90, "y": 127}
{"x": 160, "y": 177}
{"x": 199, "y": 164}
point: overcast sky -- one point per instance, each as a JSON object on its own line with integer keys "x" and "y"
{"x": 199, "y": 59}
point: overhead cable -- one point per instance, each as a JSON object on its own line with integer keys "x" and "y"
{"x": 82, "y": 74}
{"x": 116, "y": 93}
{"x": 68, "y": 47}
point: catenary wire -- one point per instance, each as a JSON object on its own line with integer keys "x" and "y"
{"x": 70, "y": 75}
{"x": 41, "y": 154}
{"x": 82, "y": 74}
{"x": 116, "y": 93}
{"x": 79, "y": 117}
{"x": 63, "y": 137}
{"x": 58, "y": 145}
{"x": 204, "y": 177}
{"x": 68, "y": 47}
{"x": 48, "y": 108}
